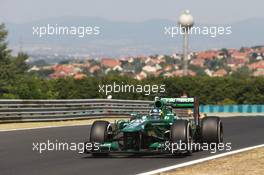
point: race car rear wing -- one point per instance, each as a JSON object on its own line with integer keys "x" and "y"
{"x": 179, "y": 102}
{"x": 183, "y": 102}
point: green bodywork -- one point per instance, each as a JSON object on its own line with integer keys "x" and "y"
{"x": 142, "y": 132}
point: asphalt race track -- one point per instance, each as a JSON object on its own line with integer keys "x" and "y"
{"x": 17, "y": 157}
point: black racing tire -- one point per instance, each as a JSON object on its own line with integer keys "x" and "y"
{"x": 181, "y": 131}
{"x": 212, "y": 130}
{"x": 99, "y": 134}
{"x": 99, "y": 131}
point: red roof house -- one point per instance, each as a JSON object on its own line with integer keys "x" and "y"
{"x": 110, "y": 62}
{"x": 198, "y": 62}
{"x": 207, "y": 55}
{"x": 220, "y": 73}
{"x": 240, "y": 55}
{"x": 257, "y": 65}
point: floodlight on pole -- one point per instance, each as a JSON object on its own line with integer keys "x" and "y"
{"x": 186, "y": 22}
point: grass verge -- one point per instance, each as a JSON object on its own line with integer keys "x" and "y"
{"x": 245, "y": 163}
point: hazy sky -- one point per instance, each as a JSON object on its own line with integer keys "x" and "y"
{"x": 204, "y": 11}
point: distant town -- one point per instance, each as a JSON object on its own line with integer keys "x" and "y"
{"x": 213, "y": 63}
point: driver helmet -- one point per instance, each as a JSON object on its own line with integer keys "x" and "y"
{"x": 156, "y": 113}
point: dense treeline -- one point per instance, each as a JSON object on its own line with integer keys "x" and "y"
{"x": 228, "y": 90}
{"x": 17, "y": 83}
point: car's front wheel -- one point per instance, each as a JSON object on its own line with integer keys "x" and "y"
{"x": 100, "y": 133}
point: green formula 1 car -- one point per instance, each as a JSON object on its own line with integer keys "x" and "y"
{"x": 157, "y": 132}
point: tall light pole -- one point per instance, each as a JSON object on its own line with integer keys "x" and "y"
{"x": 186, "y": 21}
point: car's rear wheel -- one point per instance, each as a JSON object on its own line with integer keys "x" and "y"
{"x": 212, "y": 130}
{"x": 181, "y": 132}
{"x": 100, "y": 133}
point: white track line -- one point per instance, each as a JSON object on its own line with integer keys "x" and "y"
{"x": 199, "y": 160}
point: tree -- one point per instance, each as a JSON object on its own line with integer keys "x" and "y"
{"x": 4, "y": 59}
{"x": 10, "y": 67}
{"x": 215, "y": 64}
{"x": 198, "y": 70}
{"x": 18, "y": 64}
{"x": 4, "y": 51}
{"x": 243, "y": 71}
